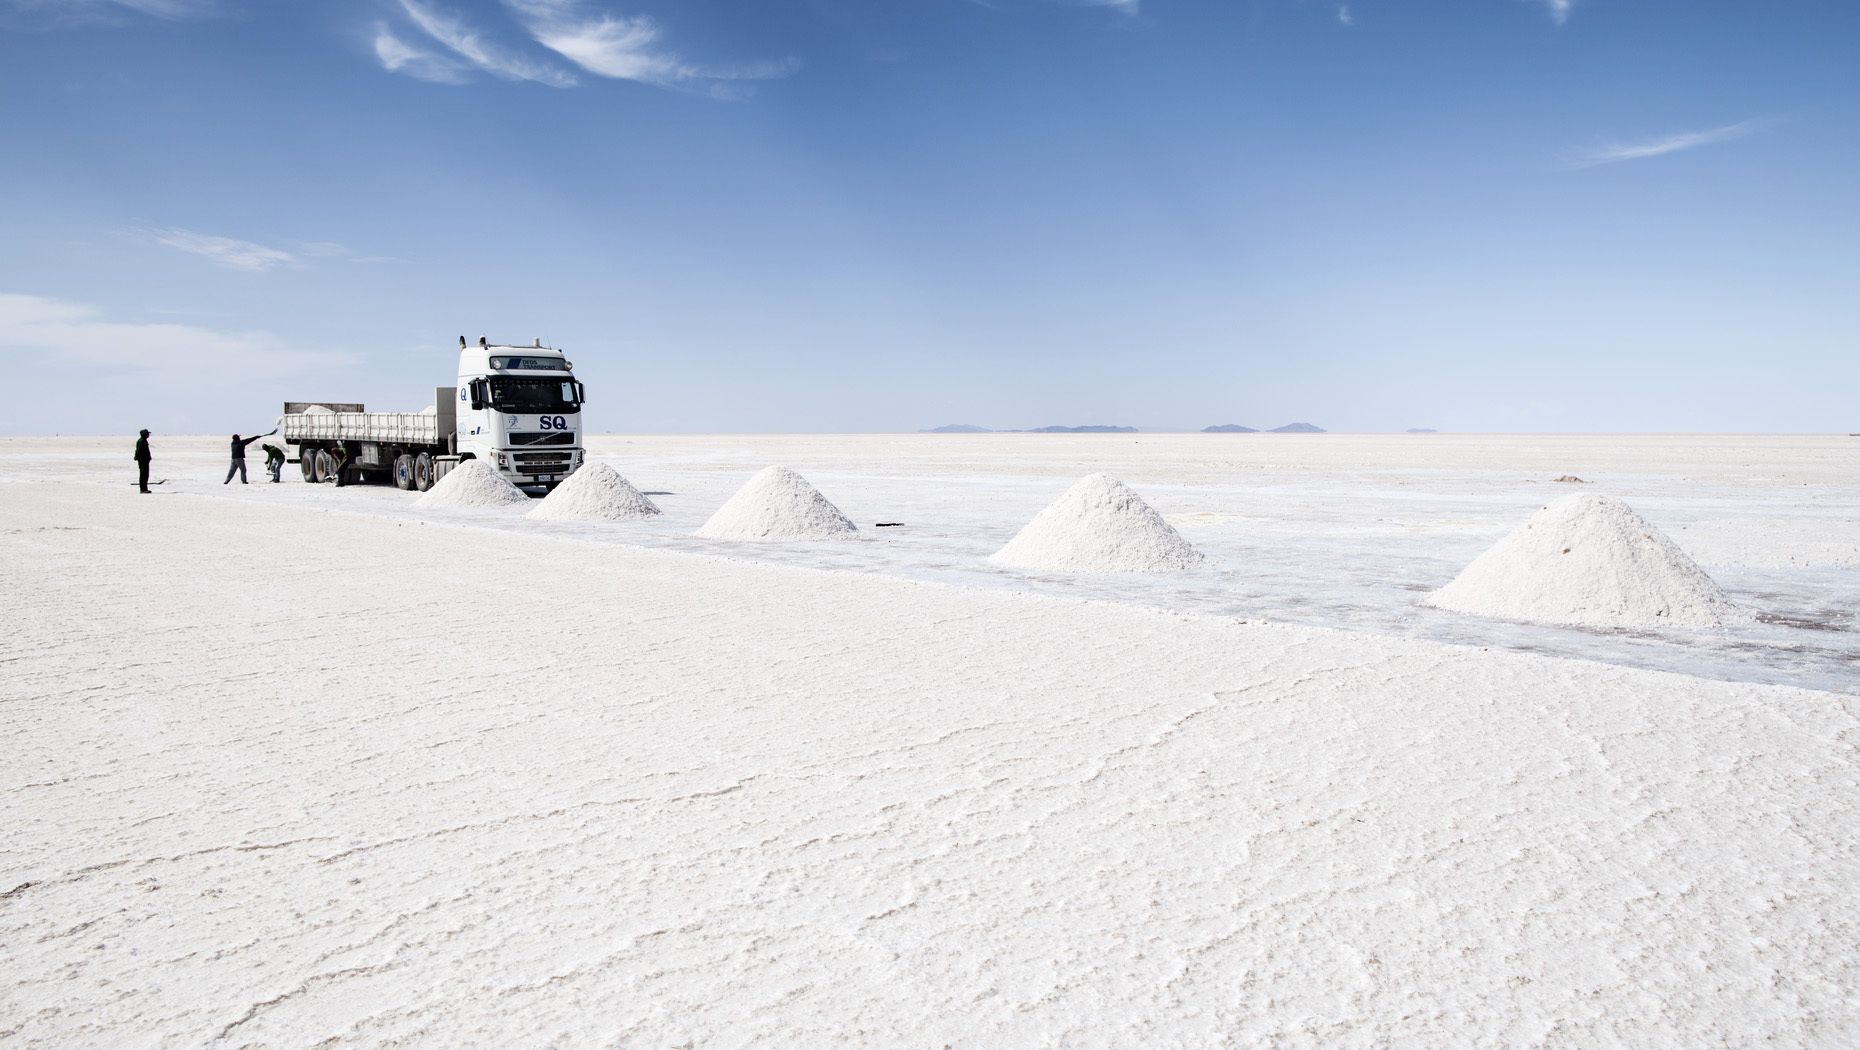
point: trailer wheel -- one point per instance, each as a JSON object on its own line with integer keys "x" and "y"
{"x": 325, "y": 467}
{"x": 422, "y": 472}
{"x": 306, "y": 461}
{"x": 403, "y": 472}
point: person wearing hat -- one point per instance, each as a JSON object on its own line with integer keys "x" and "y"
{"x": 142, "y": 462}
{"x": 274, "y": 461}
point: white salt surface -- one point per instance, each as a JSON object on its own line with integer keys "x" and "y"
{"x": 711, "y": 803}
{"x": 472, "y": 484}
{"x": 1099, "y": 525}
{"x": 596, "y": 492}
{"x": 1325, "y": 530}
{"x": 1589, "y": 561}
{"x": 777, "y": 504}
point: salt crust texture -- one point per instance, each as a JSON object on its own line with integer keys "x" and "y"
{"x": 1589, "y": 561}
{"x": 1099, "y": 525}
{"x": 472, "y": 484}
{"x": 596, "y": 492}
{"x": 777, "y": 504}
{"x": 1070, "y": 824}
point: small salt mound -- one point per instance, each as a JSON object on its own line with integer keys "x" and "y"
{"x": 472, "y": 484}
{"x": 319, "y": 410}
{"x": 1588, "y": 561}
{"x": 1099, "y": 525}
{"x": 596, "y": 492}
{"x": 777, "y": 504}
{"x": 430, "y": 410}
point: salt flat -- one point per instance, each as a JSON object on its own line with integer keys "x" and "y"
{"x": 296, "y": 764}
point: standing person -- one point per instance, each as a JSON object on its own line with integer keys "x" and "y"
{"x": 274, "y": 461}
{"x": 142, "y": 462}
{"x": 238, "y": 456}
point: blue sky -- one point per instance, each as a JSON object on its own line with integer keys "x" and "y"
{"x": 827, "y": 215}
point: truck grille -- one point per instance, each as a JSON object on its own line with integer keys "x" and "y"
{"x": 541, "y": 462}
{"x": 542, "y": 437}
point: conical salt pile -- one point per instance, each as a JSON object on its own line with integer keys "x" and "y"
{"x": 472, "y": 484}
{"x": 596, "y": 492}
{"x": 777, "y": 504}
{"x": 1588, "y": 561}
{"x": 1099, "y": 525}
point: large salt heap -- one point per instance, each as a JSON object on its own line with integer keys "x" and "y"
{"x": 1588, "y": 561}
{"x": 472, "y": 484}
{"x": 777, "y": 504}
{"x": 596, "y": 492}
{"x": 1099, "y": 525}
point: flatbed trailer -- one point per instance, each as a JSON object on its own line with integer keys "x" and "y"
{"x": 345, "y": 443}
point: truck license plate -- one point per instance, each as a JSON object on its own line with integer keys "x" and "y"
{"x": 545, "y": 477}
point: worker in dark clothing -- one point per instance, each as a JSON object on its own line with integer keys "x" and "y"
{"x": 274, "y": 461}
{"x": 238, "y": 457}
{"x": 142, "y": 462}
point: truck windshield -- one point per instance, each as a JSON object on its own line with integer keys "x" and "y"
{"x": 524, "y": 394}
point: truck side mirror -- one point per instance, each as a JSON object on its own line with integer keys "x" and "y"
{"x": 477, "y": 395}
{"x": 581, "y": 392}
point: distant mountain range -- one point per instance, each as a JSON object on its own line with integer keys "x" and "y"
{"x": 1289, "y": 428}
{"x": 1422, "y": 430}
{"x": 1102, "y": 428}
{"x": 970, "y": 428}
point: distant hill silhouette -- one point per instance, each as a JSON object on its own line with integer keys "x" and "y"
{"x": 970, "y": 428}
{"x": 1298, "y": 428}
{"x": 1422, "y": 430}
{"x": 1229, "y": 428}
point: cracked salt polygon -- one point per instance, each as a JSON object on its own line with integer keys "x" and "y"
{"x": 472, "y": 484}
{"x": 596, "y": 492}
{"x": 777, "y": 504}
{"x": 1099, "y": 525}
{"x": 1588, "y": 561}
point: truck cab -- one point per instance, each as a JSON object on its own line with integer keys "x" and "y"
{"x": 519, "y": 411}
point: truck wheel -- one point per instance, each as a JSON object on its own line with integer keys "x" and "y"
{"x": 306, "y": 461}
{"x": 325, "y": 467}
{"x": 403, "y": 472}
{"x": 422, "y": 472}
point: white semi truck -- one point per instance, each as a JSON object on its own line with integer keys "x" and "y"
{"x": 515, "y": 408}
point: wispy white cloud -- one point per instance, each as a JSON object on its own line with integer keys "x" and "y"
{"x": 51, "y": 14}
{"x": 1559, "y": 9}
{"x": 628, "y": 48}
{"x": 78, "y": 333}
{"x": 475, "y": 48}
{"x": 1344, "y": 15}
{"x": 225, "y": 251}
{"x": 1659, "y": 147}
{"x": 398, "y": 56}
